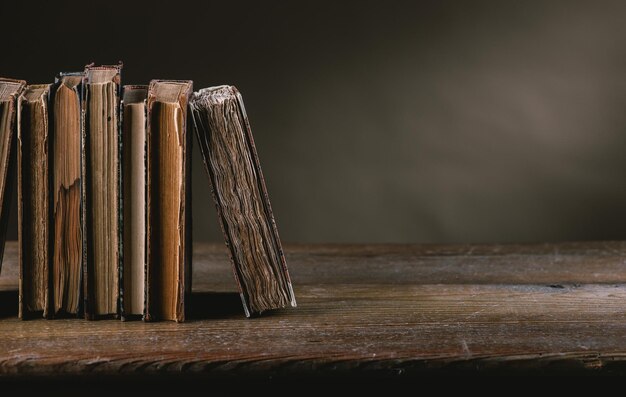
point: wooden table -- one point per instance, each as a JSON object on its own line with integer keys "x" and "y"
{"x": 374, "y": 310}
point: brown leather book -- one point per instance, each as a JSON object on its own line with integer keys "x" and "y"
{"x": 66, "y": 279}
{"x": 9, "y": 92}
{"x": 33, "y": 200}
{"x": 101, "y": 173}
{"x": 133, "y": 273}
{"x": 240, "y": 195}
{"x": 169, "y": 200}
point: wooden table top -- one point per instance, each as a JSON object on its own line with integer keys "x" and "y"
{"x": 374, "y": 309}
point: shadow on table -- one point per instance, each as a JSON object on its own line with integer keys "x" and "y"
{"x": 8, "y": 304}
{"x": 203, "y": 305}
{"x": 214, "y": 305}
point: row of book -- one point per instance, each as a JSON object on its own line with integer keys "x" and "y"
{"x": 104, "y": 203}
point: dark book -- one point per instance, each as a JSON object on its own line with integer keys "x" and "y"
{"x": 66, "y": 279}
{"x": 134, "y": 125}
{"x": 101, "y": 175}
{"x": 33, "y": 200}
{"x": 168, "y": 200}
{"x": 9, "y": 92}
{"x": 240, "y": 195}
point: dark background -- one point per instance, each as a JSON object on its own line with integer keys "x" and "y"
{"x": 383, "y": 121}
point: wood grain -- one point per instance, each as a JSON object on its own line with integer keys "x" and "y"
{"x": 379, "y": 309}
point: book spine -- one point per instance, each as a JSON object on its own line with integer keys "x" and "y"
{"x": 184, "y": 281}
{"x": 184, "y": 258}
{"x": 120, "y": 268}
{"x": 26, "y": 120}
{"x": 148, "y": 273}
{"x": 88, "y": 287}
{"x": 146, "y": 214}
{"x": 120, "y": 200}
{"x": 79, "y": 92}
{"x": 128, "y": 226}
{"x": 188, "y": 262}
{"x": 22, "y": 310}
{"x": 88, "y": 195}
{"x": 48, "y": 307}
{"x": 9, "y": 167}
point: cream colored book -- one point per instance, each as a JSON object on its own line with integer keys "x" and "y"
{"x": 134, "y": 126}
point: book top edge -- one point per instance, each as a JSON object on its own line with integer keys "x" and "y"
{"x": 216, "y": 95}
{"x": 169, "y": 91}
{"x": 10, "y": 88}
{"x": 70, "y": 74}
{"x": 102, "y": 76}
{"x": 70, "y": 80}
{"x": 129, "y": 87}
{"x": 134, "y": 94}
{"x": 92, "y": 66}
{"x": 34, "y": 92}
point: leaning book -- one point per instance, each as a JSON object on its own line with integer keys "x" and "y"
{"x": 241, "y": 198}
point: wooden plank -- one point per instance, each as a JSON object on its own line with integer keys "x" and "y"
{"x": 381, "y": 309}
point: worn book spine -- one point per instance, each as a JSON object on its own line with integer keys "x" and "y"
{"x": 67, "y": 263}
{"x": 168, "y": 200}
{"x": 10, "y": 89}
{"x": 101, "y": 201}
{"x": 241, "y": 199}
{"x": 34, "y": 209}
{"x": 132, "y": 272}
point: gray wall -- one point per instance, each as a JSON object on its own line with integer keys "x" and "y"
{"x": 405, "y": 122}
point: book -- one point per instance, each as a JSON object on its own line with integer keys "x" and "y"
{"x": 33, "y": 200}
{"x": 134, "y": 124}
{"x": 10, "y": 89}
{"x": 241, "y": 198}
{"x": 66, "y": 279}
{"x": 168, "y": 200}
{"x": 101, "y": 206}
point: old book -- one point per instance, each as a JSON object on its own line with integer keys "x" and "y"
{"x": 134, "y": 124}
{"x": 66, "y": 194}
{"x": 101, "y": 191}
{"x": 9, "y": 92}
{"x": 34, "y": 220}
{"x": 240, "y": 195}
{"x": 168, "y": 200}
